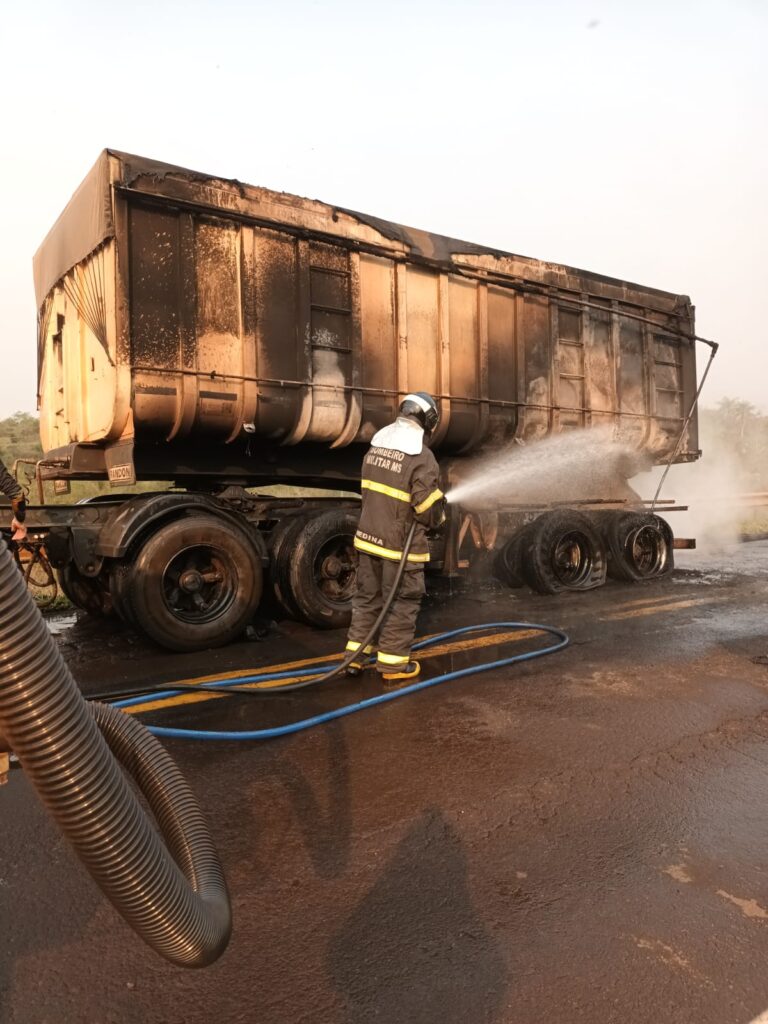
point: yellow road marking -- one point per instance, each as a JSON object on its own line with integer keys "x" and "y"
{"x": 659, "y": 599}
{"x": 453, "y": 647}
{"x": 657, "y": 609}
{"x": 481, "y": 641}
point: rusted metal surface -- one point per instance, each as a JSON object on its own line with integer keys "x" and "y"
{"x": 210, "y": 308}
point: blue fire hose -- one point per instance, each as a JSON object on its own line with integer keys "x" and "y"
{"x": 317, "y": 675}
{"x": 316, "y": 672}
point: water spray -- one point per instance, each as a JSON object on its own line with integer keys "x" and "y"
{"x": 574, "y": 466}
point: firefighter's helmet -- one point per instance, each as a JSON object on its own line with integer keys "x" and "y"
{"x": 423, "y": 408}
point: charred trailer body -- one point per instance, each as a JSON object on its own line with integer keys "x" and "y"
{"x": 225, "y": 337}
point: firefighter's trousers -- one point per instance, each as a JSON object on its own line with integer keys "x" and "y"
{"x": 374, "y": 582}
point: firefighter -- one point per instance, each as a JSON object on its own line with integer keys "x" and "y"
{"x": 11, "y": 490}
{"x": 400, "y": 484}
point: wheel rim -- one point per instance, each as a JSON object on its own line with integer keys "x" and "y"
{"x": 335, "y": 569}
{"x": 646, "y": 550}
{"x": 199, "y": 583}
{"x": 572, "y": 559}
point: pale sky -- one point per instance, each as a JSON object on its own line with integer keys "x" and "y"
{"x": 626, "y": 138}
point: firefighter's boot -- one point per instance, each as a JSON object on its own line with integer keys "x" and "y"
{"x": 400, "y": 675}
{"x": 360, "y": 661}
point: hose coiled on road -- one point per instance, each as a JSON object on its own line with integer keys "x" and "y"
{"x": 173, "y": 895}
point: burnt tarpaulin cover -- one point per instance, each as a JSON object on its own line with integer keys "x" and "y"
{"x": 423, "y": 243}
{"x": 133, "y": 167}
{"x": 84, "y": 224}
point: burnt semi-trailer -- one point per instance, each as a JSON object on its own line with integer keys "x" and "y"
{"x": 227, "y": 337}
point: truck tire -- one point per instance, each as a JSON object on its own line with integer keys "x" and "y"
{"x": 323, "y": 567}
{"x": 119, "y": 588}
{"x": 561, "y": 551}
{"x": 640, "y": 546}
{"x": 508, "y": 565}
{"x": 90, "y": 593}
{"x": 281, "y": 545}
{"x": 195, "y": 583}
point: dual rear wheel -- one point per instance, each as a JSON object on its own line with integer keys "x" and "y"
{"x": 197, "y": 581}
{"x": 566, "y": 550}
{"x": 640, "y": 546}
{"x": 313, "y": 567}
{"x": 562, "y": 550}
{"x": 194, "y": 583}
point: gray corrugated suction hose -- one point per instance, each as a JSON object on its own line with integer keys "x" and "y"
{"x": 174, "y": 895}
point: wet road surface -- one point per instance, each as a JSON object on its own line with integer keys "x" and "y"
{"x": 583, "y": 837}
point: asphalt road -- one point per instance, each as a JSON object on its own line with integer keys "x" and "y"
{"x": 583, "y": 837}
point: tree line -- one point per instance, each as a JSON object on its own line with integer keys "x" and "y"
{"x": 20, "y": 439}
{"x": 738, "y": 432}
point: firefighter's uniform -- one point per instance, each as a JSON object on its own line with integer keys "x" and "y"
{"x": 400, "y": 483}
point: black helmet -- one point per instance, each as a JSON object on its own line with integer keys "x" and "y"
{"x": 422, "y": 407}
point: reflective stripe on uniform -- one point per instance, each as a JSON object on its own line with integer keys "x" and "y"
{"x": 390, "y": 553}
{"x": 428, "y": 502}
{"x": 391, "y": 492}
{"x": 393, "y": 659}
{"x": 353, "y": 645}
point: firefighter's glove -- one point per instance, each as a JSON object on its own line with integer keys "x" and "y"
{"x": 19, "y": 506}
{"x": 438, "y": 514}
